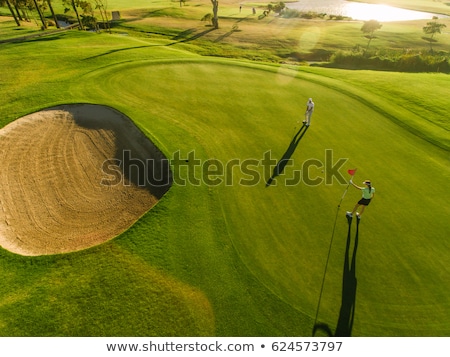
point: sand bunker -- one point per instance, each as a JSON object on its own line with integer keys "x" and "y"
{"x": 75, "y": 176}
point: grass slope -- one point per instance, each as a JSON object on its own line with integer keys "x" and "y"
{"x": 243, "y": 34}
{"x": 232, "y": 259}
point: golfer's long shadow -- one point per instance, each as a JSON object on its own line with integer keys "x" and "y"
{"x": 287, "y": 155}
{"x": 349, "y": 283}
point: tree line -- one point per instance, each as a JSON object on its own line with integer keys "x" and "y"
{"x": 385, "y": 59}
{"x": 84, "y": 11}
{"x": 432, "y": 28}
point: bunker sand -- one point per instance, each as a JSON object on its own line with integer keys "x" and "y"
{"x": 64, "y": 183}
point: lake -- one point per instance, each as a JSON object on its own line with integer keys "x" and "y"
{"x": 360, "y": 11}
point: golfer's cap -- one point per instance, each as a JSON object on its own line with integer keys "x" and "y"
{"x": 367, "y": 182}
{"x": 310, "y": 100}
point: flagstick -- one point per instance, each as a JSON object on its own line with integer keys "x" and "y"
{"x": 325, "y": 274}
{"x": 348, "y": 185}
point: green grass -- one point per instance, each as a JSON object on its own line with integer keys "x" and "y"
{"x": 271, "y": 39}
{"x": 11, "y": 30}
{"x": 235, "y": 260}
{"x": 426, "y": 118}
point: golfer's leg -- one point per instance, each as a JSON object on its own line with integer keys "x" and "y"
{"x": 354, "y": 209}
{"x": 362, "y": 210}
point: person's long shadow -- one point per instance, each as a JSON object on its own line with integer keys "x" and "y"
{"x": 278, "y": 169}
{"x": 349, "y": 283}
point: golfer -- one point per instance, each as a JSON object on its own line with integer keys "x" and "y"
{"x": 309, "y": 111}
{"x": 367, "y": 194}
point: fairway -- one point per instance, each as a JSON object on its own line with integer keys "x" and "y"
{"x": 227, "y": 251}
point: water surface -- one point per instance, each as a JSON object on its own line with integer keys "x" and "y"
{"x": 361, "y": 11}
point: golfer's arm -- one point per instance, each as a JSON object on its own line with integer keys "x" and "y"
{"x": 356, "y": 186}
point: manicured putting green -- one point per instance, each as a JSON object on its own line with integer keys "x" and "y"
{"x": 228, "y": 110}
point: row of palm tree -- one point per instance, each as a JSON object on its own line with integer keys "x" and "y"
{"x": 19, "y": 10}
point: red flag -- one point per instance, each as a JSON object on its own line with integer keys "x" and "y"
{"x": 352, "y": 172}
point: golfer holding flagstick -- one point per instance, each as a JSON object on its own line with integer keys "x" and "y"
{"x": 367, "y": 195}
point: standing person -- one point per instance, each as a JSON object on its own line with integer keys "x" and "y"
{"x": 309, "y": 111}
{"x": 367, "y": 195}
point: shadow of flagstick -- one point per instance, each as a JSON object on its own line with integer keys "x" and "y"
{"x": 349, "y": 284}
{"x": 278, "y": 169}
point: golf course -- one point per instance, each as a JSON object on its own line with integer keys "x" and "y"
{"x": 247, "y": 235}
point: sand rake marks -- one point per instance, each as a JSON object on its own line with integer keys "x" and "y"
{"x": 51, "y": 190}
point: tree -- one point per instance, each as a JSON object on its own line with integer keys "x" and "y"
{"x": 41, "y": 16}
{"x": 215, "y": 18}
{"x": 49, "y": 3}
{"x": 279, "y": 7}
{"x": 14, "y": 4}
{"x": 432, "y": 28}
{"x": 23, "y": 6}
{"x": 369, "y": 28}
{"x": 101, "y": 6}
{"x": 11, "y": 10}
{"x": 74, "y": 4}
{"x": 88, "y": 17}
